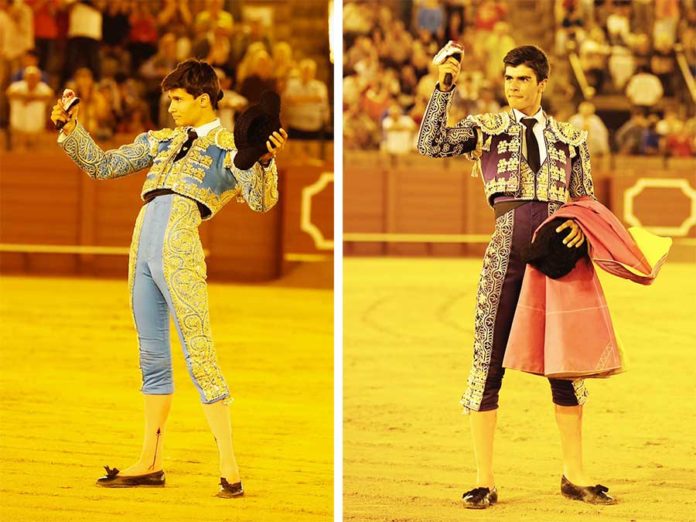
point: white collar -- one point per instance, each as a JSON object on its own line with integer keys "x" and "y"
{"x": 203, "y": 130}
{"x": 539, "y": 116}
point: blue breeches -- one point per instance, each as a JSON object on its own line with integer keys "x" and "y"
{"x": 167, "y": 275}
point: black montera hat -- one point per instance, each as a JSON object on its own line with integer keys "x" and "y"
{"x": 548, "y": 253}
{"x": 253, "y": 127}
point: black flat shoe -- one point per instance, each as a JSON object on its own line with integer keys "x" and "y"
{"x": 480, "y": 498}
{"x": 112, "y": 479}
{"x": 590, "y": 494}
{"x": 228, "y": 490}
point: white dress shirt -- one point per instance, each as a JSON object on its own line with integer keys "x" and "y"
{"x": 538, "y": 132}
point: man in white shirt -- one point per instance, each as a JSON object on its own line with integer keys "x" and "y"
{"x": 306, "y": 103}
{"x": 399, "y": 130}
{"x": 29, "y": 99}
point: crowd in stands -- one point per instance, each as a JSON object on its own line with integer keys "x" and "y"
{"x": 626, "y": 49}
{"x": 115, "y": 53}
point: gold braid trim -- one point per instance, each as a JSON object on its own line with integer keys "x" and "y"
{"x": 567, "y": 133}
{"x": 185, "y": 273}
{"x": 90, "y": 157}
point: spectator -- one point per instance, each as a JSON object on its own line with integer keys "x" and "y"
{"x": 116, "y": 23}
{"x": 430, "y": 17}
{"x": 357, "y": 21}
{"x": 598, "y": 135}
{"x": 84, "y": 38}
{"x": 640, "y": 46}
{"x": 214, "y": 16}
{"x": 95, "y": 113}
{"x": 455, "y": 25}
{"x": 352, "y": 90}
{"x": 46, "y": 32}
{"x": 399, "y": 131}
{"x": 496, "y": 46}
{"x": 593, "y": 57}
{"x": 376, "y": 99}
{"x": 138, "y": 120}
{"x": 29, "y": 100}
{"x": 175, "y": 17}
{"x": 644, "y": 89}
{"x": 664, "y": 64}
{"x": 359, "y": 130}
{"x": 398, "y": 45}
{"x": 650, "y": 144}
{"x": 283, "y": 64}
{"x": 16, "y": 37}
{"x": 420, "y": 60}
{"x": 307, "y": 103}
{"x": 670, "y": 123}
{"x": 245, "y": 64}
{"x": 486, "y": 101}
{"x": 408, "y": 82}
{"x": 216, "y": 48}
{"x": 116, "y": 27}
{"x": 260, "y": 78}
{"x": 666, "y": 20}
{"x": 143, "y": 36}
{"x": 230, "y": 103}
{"x": 155, "y": 69}
{"x": 619, "y": 26}
{"x": 630, "y": 134}
{"x": 488, "y": 14}
{"x": 680, "y": 143}
{"x": 30, "y": 58}
{"x": 162, "y": 63}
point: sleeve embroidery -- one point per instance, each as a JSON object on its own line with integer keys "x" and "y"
{"x": 116, "y": 163}
{"x": 581, "y": 173}
{"x": 258, "y": 185}
{"x": 437, "y": 140}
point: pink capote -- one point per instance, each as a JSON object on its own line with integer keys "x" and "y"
{"x": 562, "y": 327}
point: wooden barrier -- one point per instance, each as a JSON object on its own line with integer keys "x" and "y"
{"x": 416, "y": 203}
{"x": 48, "y": 205}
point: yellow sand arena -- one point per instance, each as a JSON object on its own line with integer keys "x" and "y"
{"x": 69, "y": 404}
{"x": 407, "y": 352}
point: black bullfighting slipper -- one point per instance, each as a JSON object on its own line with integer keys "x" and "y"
{"x": 590, "y": 494}
{"x": 112, "y": 479}
{"x": 228, "y": 490}
{"x": 480, "y": 498}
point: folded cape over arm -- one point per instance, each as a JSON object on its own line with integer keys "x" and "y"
{"x": 562, "y": 327}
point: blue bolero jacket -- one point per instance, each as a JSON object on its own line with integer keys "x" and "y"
{"x": 206, "y": 174}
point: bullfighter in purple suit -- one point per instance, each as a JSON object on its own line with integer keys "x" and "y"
{"x": 530, "y": 164}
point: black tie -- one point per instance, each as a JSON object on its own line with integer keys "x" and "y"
{"x": 532, "y": 144}
{"x": 191, "y": 136}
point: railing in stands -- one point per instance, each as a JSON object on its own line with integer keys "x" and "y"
{"x": 587, "y": 90}
{"x": 686, "y": 71}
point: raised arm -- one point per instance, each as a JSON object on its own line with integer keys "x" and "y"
{"x": 435, "y": 138}
{"x": 89, "y": 156}
{"x": 99, "y": 164}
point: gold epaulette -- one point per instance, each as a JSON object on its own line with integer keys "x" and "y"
{"x": 162, "y": 134}
{"x": 225, "y": 139}
{"x": 568, "y": 133}
{"x": 491, "y": 122}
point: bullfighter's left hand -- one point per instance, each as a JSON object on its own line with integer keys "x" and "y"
{"x": 274, "y": 144}
{"x": 575, "y": 237}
